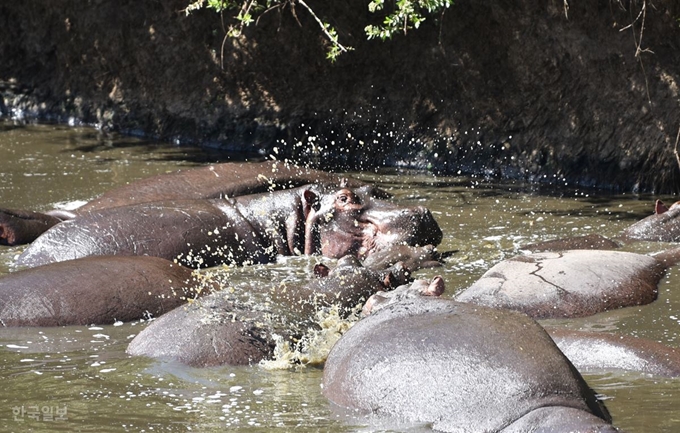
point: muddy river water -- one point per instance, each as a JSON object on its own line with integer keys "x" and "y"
{"x": 80, "y": 379}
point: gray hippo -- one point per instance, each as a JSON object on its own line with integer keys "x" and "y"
{"x": 603, "y": 351}
{"x": 240, "y": 230}
{"x": 572, "y": 283}
{"x": 229, "y": 179}
{"x": 662, "y": 226}
{"x": 413, "y": 257}
{"x": 418, "y": 288}
{"x": 95, "y": 290}
{"x": 224, "y": 328}
{"x": 459, "y": 368}
{"x": 215, "y": 181}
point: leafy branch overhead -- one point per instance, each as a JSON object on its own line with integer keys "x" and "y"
{"x": 398, "y": 16}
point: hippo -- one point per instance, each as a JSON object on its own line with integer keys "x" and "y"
{"x": 344, "y": 286}
{"x": 229, "y": 179}
{"x": 18, "y": 227}
{"x": 662, "y": 226}
{"x": 210, "y": 182}
{"x": 240, "y": 230}
{"x": 347, "y": 223}
{"x": 198, "y": 233}
{"x": 604, "y": 351}
{"x": 413, "y": 257}
{"x": 571, "y": 283}
{"x": 459, "y": 368}
{"x": 95, "y": 290}
{"x": 417, "y": 288}
{"x": 223, "y": 329}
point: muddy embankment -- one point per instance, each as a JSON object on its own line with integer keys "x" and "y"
{"x": 500, "y": 88}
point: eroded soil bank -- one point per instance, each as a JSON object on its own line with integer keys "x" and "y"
{"x": 508, "y": 88}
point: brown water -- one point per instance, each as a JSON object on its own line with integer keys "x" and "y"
{"x": 85, "y": 372}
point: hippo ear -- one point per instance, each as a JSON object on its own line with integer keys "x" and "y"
{"x": 659, "y": 207}
{"x": 321, "y": 270}
{"x": 344, "y": 182}
{"x": 398, "y": 274}
{"x": 311, "y": 200}
{"x": 435, "y": 288}
{"x": 389, "y": 280}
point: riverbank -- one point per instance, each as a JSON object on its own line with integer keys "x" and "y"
{"x": 514, "y": 89}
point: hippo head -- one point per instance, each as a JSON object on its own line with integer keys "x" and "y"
{"x": 662, "y": 226}
{"x": 345, "y": 286}
{"x": 355, "y": 223}
{"x": 434, "y": 287}
{"x": 349, "y": 270}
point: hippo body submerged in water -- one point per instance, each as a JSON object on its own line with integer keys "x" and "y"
{"x": 571, "y": 283}
{"x": 229, "y": 179}
{"x": 215, "y": 181}
{"x": 218, "y": 329}
{"x": 247, "y": 229}
{"x": 603, "y": 351}
{"x": 662, "y": 226}
{"x": 459, "y": 368}
{"x": 94, "y": 290}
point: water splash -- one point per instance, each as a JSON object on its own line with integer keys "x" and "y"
{"x": 313, "y": 348}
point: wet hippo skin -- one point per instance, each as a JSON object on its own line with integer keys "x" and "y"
{"x": 242, "y": 230}
{"x": 229, "y": 179}
{"x": 199, "y": 233}
{"x": 94, "y": 290}
{"x": 662, "y": 226}
{"x": 18, "y": 227}
{"x": 603, "y": 351}
{"x": 460, "y": 368}
{"x": 572, "y": 283}
{"x": 219, "y": 330}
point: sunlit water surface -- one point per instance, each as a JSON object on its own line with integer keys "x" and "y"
{"x": 83, "y": 376}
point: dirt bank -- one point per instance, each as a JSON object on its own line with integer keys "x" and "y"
{"x": 509, "y": 88}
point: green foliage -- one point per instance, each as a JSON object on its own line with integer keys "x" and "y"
{"x": 399, "y": 16}
{"x": 407, "y": 15}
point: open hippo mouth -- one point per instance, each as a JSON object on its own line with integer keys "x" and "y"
{"x": 357, "y": 226}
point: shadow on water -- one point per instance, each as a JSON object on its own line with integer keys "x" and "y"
{"x": 90, "y": 140}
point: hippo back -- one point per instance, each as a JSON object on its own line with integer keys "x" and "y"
{"x": 662, "y": 226}
{"x": 227, "y": 179}
{"x": 460, "y": 367}
{"x": 573, "y": 283}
